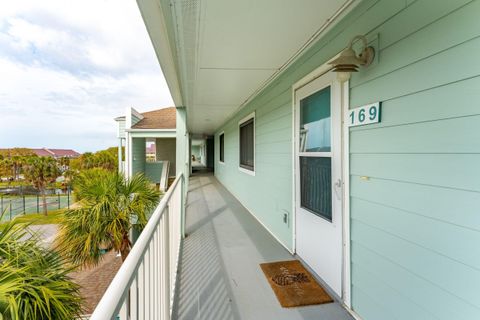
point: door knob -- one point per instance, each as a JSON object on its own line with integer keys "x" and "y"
{"x": 338, "y": 186}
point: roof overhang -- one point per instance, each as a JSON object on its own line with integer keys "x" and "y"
{"x": 151, "y": 133}
{"x": 218, "y": 55}
{"x": 157, "y": 18}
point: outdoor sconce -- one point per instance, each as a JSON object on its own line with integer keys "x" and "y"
{"x": 349, "y": 61}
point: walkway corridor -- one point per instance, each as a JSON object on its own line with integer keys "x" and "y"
{"x": 220, "y": 277}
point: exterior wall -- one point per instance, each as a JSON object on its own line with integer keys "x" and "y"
{"x": 135, "y": 119}
{"x": 121, "y": 129}
{"x": 153, "y": 171}
{"x": 166, "y": 150}
{"x": 415, "y": 226}
{"x": 196, "y": 152}
{"x": 138, "y": 155}
{"x": 183, "y": 146}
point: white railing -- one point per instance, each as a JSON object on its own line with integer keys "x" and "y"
{"x": 145, "y": 284}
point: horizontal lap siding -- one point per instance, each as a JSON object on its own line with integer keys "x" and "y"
{"x": 138, "y": 155}
{"x": 268, "y": 194}
{"x": 415, "y": 177}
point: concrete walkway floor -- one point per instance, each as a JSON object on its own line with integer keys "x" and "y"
{"x": 220, "y": 277}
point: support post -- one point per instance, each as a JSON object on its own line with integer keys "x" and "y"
{"x": 38, "y": 204}
{"x": 24, "y": 211}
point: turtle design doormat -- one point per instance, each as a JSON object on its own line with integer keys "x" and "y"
{"x": 293, "y": 285}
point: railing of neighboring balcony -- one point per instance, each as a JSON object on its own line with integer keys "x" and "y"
{"x": 144, "y": 286}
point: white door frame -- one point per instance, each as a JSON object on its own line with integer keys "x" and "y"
{"x": 346, "y": 260}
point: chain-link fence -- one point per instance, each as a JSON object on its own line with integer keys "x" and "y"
{"x": 14, "y": 205}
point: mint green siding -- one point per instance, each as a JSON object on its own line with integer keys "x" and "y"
{"x": 138, "y": 155}
{"x": 153, "y": 171}
{"x": 415, "y": 222}
{"x": 135, "y": 119}
{"x": 196, "y": 152}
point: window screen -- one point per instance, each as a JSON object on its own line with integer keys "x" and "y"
{"x": 247, "y": 147}
{"x": 222, "y": 147}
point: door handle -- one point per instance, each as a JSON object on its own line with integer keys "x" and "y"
{"x": 338, "y": 186}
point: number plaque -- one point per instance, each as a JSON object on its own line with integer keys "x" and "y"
{"x": 364, "y": 115}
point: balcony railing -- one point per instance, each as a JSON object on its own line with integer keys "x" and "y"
{"x": 145, "y": 284}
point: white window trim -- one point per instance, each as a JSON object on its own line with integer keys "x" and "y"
{"x": 220, "y": 161}
{"x": 243, "y": 120}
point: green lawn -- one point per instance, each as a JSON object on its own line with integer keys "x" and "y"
{"x": 54, "y": 217}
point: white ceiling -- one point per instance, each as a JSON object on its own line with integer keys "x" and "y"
{"x": 228, "y": 49}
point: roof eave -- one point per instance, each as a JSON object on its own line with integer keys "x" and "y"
{"x": 154, "y": 17}
{"x": 150, "y": 130}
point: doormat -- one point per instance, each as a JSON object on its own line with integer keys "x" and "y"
{"x": 293, "y": 285}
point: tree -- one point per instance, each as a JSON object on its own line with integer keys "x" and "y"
{"x": 64, "y": 163}
{"x": 106, "y": 159}
{"x": 16, "y": 163}
{"x": 34, "y": 282}
{"x": 6, "y": 168}
{"x": 14, "y": 159}
{"x": 110, "y": 207}
{"x": 40, "y": 172}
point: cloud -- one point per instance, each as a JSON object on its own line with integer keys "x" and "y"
{"x": 67, "y": 68}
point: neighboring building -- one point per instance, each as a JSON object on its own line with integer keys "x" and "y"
{"x": 151, "y": 151}
{"x": 155, "y": 128}
{"x": 55, "y": 153}
{"x": 382, "y": 203}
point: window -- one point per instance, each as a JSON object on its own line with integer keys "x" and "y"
{"x": 247, "y": 143}
{"x": 222, "y": 147}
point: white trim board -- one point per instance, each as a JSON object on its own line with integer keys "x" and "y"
{"x": 347, "y": 281}
{"x": 220, "y": 161}
{"x": 151, "y": 130}
{"x": 243, "y": 120}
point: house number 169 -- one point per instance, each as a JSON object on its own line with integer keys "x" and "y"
{"x": 364, "y": 115}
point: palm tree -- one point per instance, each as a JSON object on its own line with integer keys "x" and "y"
{"x": 34, "y": 282}
{"x": 110, "y": 206}
{"x": 41, "y": 171}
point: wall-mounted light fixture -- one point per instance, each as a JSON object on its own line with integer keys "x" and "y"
{"x": 349, "y": 61}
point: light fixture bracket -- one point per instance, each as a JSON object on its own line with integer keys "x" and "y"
{"x": 350, "y": 61}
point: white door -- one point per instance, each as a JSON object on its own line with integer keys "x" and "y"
{"x": 318, "y": 157}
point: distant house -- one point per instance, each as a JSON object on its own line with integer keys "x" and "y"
{"x": 46, "y": 152}
{"x": 150, "y": 144}
{"x": 151, "y": 151}
{"x": 56, "y": 153}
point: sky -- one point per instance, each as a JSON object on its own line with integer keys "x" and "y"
{"x": 68, "y": 68}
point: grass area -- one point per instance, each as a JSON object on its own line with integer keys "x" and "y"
{"x": 54, "y": 217}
